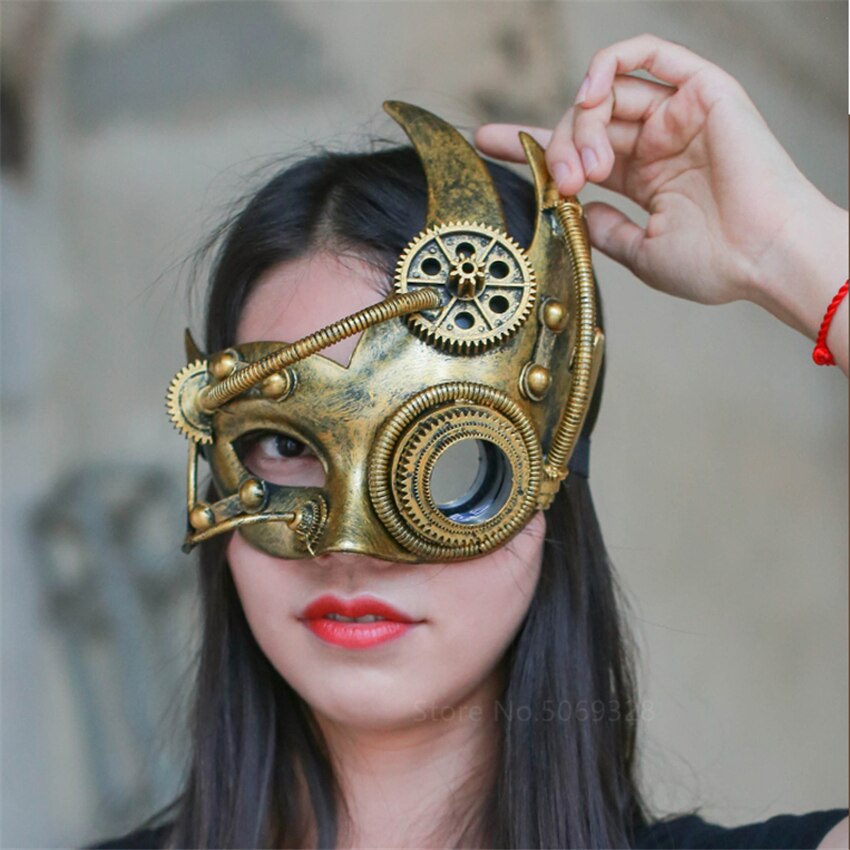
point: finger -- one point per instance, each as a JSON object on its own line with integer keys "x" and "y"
{"x": 623, "y": 137}
{"x": 596, "y": 155}
{"x": 562, "y": 157}
{"x": 606, "y": 152}
{"x": 502, "y": 140}
{"x": 668, "y": 62}
{"x": 635, "y": 99}
{"x": 619, "y": 180}
{"x": 589, "y": 150}
{"x": 615, "y": 234}
{"x": 594, "y": 133}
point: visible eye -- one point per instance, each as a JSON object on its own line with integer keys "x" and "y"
{"x": 281, "y": 445}
{"x": 280, "y": 459}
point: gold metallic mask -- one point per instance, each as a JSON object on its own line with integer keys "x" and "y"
{"x": 484, "y": 347}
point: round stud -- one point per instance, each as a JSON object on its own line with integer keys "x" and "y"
{"x": 554, "y": 316}
{"x": 223, "y": 364}
{"x": 201, "y": 517}
{"x": 538, "y": 379}
{"x": 276, "y": 386}
{"x": 252, "y": 494}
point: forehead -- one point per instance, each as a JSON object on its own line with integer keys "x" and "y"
{"x": 297, "y": 297}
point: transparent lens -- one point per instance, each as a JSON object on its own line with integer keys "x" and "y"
{"x": 471, "y": 481}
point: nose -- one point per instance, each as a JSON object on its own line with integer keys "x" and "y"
{"x": 355, "y": 557}
{"x": 353, "y": 573}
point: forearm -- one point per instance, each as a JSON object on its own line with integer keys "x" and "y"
{"x": 799, "y": 278}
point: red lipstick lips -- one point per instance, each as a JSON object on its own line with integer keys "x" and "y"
{"x": 332, "y": 619}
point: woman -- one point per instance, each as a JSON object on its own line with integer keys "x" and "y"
{"x": 468, "y": 732}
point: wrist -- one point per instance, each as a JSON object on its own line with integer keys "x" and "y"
{"x": 797, "y": 279}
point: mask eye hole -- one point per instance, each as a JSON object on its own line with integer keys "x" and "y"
{"x": 471, "y": 481}
{"x": 280, "y": 458}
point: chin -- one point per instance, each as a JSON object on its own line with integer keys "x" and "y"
{"x": 365, "y": 710}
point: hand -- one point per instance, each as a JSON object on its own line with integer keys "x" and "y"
{"x": 727, "y": 206}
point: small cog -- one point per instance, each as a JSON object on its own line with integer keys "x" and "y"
{"x": 487, "y": 285}
{"x": 182, "y": 403}
{"x": 310, "y": 522}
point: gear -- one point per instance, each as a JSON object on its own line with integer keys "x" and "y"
{"x": 310, "y": 521}
{"x": 486, "y": 282}
{"x": 182, "y": 406}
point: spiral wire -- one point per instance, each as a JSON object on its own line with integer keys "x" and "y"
{"x": 570, "y": 216}
{"x": 244, "y": 379}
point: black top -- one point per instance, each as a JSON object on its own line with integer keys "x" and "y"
{"x": 781, "y": 831}
{"x": 690, "y": 832}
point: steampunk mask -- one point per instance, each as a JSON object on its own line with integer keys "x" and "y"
{"x": 462, "y": 404}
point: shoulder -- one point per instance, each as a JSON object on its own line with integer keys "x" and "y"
{"x": 691, "y": 832}
{"x": 152, "y": 838}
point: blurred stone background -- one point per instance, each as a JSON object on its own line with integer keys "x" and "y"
{"x": 719, "y": 463}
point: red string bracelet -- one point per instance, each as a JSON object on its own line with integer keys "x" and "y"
{"x": 822, "y": 355}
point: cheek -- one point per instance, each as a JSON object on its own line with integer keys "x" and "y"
{"x": 268, "y": 588}
{"x": 490, "y": 596}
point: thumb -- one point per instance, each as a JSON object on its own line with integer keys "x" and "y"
{"x": 615, "y": 234}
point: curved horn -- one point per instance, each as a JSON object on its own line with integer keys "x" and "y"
{"x": 459, "y": 185}
{"x": 546, "y": 193}
{"x": 193, "y": 352}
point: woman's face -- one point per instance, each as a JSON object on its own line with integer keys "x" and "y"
{"x": 468, "y": 611}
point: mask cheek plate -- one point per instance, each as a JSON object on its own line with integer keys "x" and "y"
{"x": 455, "y": 472}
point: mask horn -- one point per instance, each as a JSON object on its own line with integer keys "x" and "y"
{"x": 193, "y": 352}
{"x": 459, "y": 185}
{"x": 546, "y": 193}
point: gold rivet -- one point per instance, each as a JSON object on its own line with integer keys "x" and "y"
{"x": 252, "y": 493}
{"x": 537, "y": 379}
{"x": 554, "y": 316}
{"x": 297, "y": 519}
{"x": 201, "y": 516}
{"x": 275, "y": 386}
{"x": 223, "y": 364}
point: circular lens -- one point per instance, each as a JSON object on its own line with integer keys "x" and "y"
{"x": 455, "y": 471}
{"x": 471, "y": 481}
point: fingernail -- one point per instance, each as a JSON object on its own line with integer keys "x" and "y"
{"x": 588, "y": 160}
{"x": 560, "y": 171}
{"x": 582, "y": 90}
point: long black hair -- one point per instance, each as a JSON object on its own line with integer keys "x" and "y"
{"x": 566, "y": 772}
